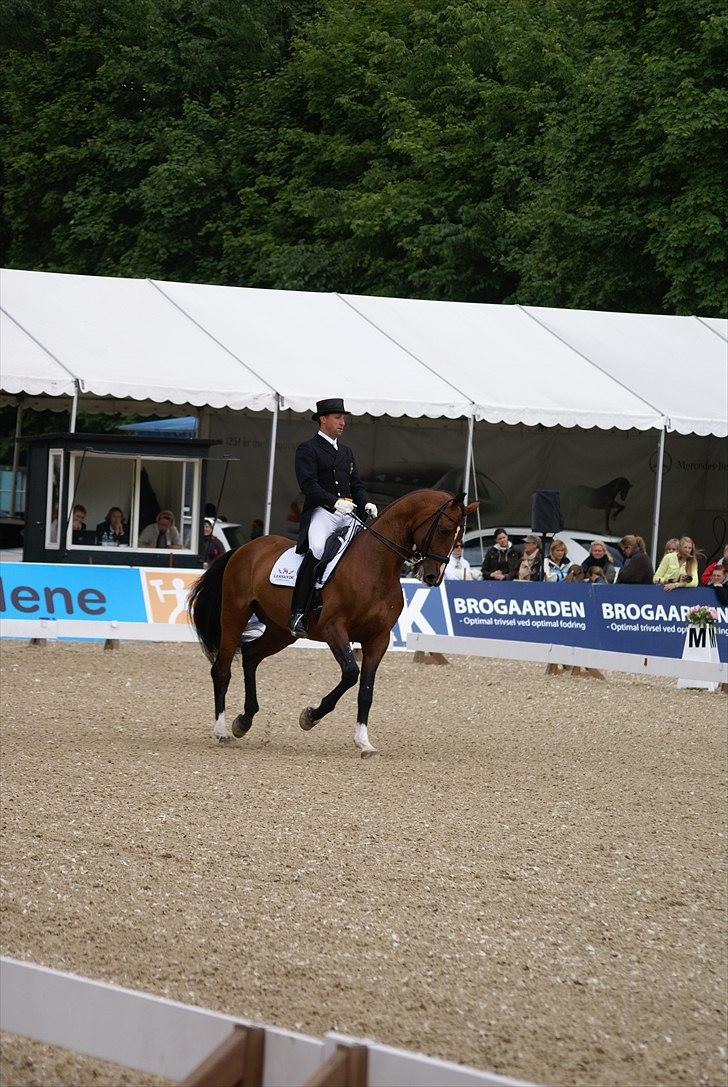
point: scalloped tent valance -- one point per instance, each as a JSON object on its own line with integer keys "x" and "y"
{"x": 236, "y": 347}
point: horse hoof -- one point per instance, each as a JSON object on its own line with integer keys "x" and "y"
{"x": 224, "y": 740}
{"x": 366, "y": 750}
{"x": 240, "y": 726}
{"x": 306, "y": 720}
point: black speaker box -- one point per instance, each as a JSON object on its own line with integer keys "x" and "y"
{"x": 546, "y": 515}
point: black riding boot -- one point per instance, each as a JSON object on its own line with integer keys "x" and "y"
{"x": 302, "y": 593}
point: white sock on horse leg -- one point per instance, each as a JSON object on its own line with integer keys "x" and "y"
{"x": 221, "y": 729}
{"x": 361, "y": 738}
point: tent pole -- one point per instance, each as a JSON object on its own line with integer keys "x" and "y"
{"x": 468, "y": 457}
{"x": 16, "y": 455}
{"x": 271, "y": 468}
{"x": 74, "y": 409}
{"x": 658, "y": 495}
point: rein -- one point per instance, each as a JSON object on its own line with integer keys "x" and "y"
{"x": 422, "y": 552}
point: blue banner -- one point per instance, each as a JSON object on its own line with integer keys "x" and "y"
{"x": 39, "y": 590}
{"x": 641, "y": 619}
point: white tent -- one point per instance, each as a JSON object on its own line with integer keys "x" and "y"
{"x": 234, "y": 347}
{"x": 123, "y": 338}
{"x": 26, "y": 367}
{"x": 679, "y": 364}
{"x": 510, "y": 367}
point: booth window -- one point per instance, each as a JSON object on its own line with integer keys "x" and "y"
{"x": 129, "y": 501}
{"x": 53, "y": 502}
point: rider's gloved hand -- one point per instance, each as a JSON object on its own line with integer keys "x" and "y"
{"x": 344, "y": 505}
{"x": 371, "y": 510}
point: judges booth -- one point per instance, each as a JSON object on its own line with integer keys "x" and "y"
{"x": 139, "y": 478}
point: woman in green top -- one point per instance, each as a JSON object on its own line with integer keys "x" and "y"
{"x": 679, "y": 569}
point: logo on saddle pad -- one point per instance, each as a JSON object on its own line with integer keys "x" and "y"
{"x": 166, "y": 593}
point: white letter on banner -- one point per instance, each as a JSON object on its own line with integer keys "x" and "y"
{"x": 607, "y": 611}
{"x": 461, "y": 605}
{"x": 412, "y": 615}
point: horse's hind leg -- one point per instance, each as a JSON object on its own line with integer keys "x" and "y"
{"x": 233, "y": 621}
{"x": 272, "y": 641}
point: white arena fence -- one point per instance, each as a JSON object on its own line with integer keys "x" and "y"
{"x": 639, "y": 629}
{"x": 164, "y": 1038}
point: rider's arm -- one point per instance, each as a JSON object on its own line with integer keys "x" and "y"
{"x": 307, "y": 476}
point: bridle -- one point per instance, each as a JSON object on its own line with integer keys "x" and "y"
{"x": 417, "y": 557}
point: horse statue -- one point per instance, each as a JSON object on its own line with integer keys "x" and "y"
{"x": 361, "y": 603}
{"x": 600, "y": 498}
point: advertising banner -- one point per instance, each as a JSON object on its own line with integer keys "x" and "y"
{"x": 642, "y": 619}
{"x": 638, "y": 620}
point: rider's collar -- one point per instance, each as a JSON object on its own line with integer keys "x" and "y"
{"x": 331, "y": 441}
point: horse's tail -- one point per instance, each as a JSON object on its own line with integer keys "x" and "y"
{"x": 205, "y": 603}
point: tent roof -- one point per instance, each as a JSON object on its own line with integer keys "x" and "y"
{"x": 122, "y": 338}
{"x": 27, "y": 367}
{"x": 235, "y": 347}
{"x": 310, "y": 346}
{"x": 510, "y": 367}
{"x": 679, "y": 364}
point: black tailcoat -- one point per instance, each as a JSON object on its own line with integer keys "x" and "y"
{"x": 325, "y": 474}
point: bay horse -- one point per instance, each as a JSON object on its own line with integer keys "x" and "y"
{"x": 361, "y": 603}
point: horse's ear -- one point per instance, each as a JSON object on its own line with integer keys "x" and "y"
{"x": 472, "y": 507}
{"x": 458, "y": 499}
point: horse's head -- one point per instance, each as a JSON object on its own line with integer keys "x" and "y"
{"x": 624, "y": 486}
{"x": 436, "y": 535}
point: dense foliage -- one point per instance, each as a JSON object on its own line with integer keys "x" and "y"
{"x": 554, "y": 152}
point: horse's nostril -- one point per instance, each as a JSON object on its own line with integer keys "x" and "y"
{"x": 430, "y": 579}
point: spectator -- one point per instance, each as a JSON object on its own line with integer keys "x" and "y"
{"x": 705, "y": 579}
{"x": 458, "y": 568}
{"x": 112, "y": 531}
{"x": 574, "y": 573}
{"x": 161, "y": 533}
{"x": 637, "y": 568}
{"x": 256, "y": 529}
{"x": 599, "y": 556}
{"x": 78, "y": 524}
{"x": 671, "y": 545}
{"x": 595, "y": 575}
{"x": 529, "y": 567}
{"x": 501, "y": 560}
{"x": 557, "y": 564}
{"x": 678, "y": 569}
{"x": 718, "y": 573}
{"x": 212, "y": 548}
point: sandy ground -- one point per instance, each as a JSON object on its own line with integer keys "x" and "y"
{"x": 530, "y": 878}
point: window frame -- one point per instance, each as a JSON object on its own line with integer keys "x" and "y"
{"x": 52, "y": 545}
{"x": 138, "y": 461}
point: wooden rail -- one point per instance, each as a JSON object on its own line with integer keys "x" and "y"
{"x": 236, "y": 1062}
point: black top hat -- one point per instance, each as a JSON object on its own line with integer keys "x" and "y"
{"x": 328, "y": 407}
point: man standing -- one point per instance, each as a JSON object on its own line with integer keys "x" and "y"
{"x": 328, "y": 477}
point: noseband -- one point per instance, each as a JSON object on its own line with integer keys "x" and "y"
{"x": 422, "y": 552}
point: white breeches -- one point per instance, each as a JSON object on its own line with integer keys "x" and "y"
{"x": 322, "y": 525}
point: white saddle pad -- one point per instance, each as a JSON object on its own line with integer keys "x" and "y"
{"x": 285, "y": 569}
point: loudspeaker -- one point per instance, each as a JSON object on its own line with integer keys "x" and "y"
{"x": 546, "y": 517}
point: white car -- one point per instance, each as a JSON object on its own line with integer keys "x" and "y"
{"x": 577, "y": 543}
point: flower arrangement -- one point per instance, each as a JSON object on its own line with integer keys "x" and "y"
{"x": 702, "y": 616}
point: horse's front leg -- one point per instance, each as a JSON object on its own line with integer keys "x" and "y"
{"x": 372, "y": 653}
{"x": 340, "y": 647}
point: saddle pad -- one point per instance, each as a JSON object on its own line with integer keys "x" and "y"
{"x": 285, "y": 569}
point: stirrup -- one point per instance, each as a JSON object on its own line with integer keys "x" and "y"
{"x": 297, "y": 625}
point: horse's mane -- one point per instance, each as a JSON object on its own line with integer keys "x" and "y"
{"x": 411, "y": 494}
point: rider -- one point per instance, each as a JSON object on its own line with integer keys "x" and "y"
{"x": 328, "y": 477}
